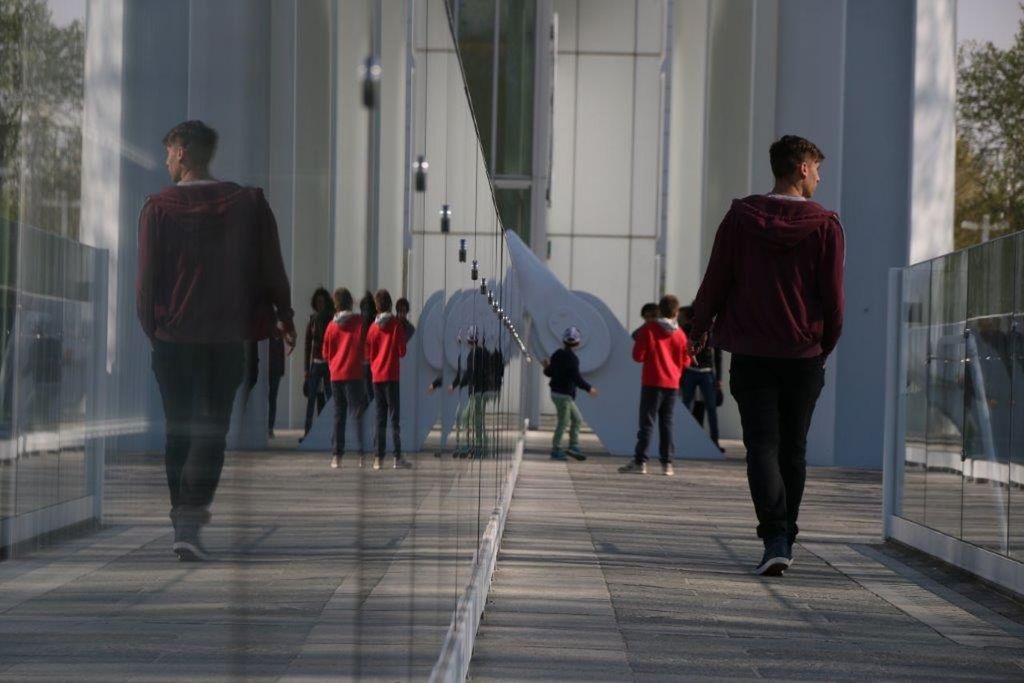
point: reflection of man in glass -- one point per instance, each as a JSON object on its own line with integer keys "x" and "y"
{"x": 210, "y": 277}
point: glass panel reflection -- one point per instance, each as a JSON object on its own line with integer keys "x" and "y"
{"x": 1015, "y": 514}
{"x": 987, "y": 393}
{"x": 943, "y": 503}
{"x": 916, "y": 307}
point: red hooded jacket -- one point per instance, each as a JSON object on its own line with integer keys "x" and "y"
{"x": 774, "y": 284}
{"x": 343, "y": 347}
{"x": 385, "y": 344}
{"x": 210, "y": 267}
{"x": 661, "y": 346}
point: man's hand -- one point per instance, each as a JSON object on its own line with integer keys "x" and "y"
{"x": 545, "y": 362}
{"x": 593, "y": 391}
{"x": 289, "y": 336}
{"x": 430, "y": 388}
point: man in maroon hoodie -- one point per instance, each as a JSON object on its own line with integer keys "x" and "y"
{"x": 210, "y": 277}
{"x": 773, "y": 297}
{"x": 661, "y": 346}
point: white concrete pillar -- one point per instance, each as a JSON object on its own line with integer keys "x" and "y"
{"x": 687, "y": 148}
{"x": 810, "y": 82}
{"x": 350, "y": 146}
{"x": 934, "y": 130}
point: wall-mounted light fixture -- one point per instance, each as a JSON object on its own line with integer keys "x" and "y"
{"x": 370, "y": 71}
{"x": 421, "y": 167}
{"x": 446, "y": 218}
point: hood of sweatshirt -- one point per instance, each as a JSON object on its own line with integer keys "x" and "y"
{"x": 384, "y": 319}
{"x": 204, "y": 203}
{"x": 781, "y": 223}
{"x": 343, "y": 317}
{"x": 663, "y": 327}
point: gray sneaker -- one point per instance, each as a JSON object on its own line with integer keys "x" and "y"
{"x": 376, "y": 463}
{"x": 402, "y": 464}
{"x": 667, "y": 469}
{"x": 335, "y": 462}
{"x": 776, "y": 559}
{"x": 187, "y": 524}
{"x": 633, "y": 467}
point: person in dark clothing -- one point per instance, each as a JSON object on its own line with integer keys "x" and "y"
{"x": 701, "y": 375}
{"x": 773, "y": 297}
{"x": 698, "y": 403}
{"x": 402, "y": 313}
{"x": 385, "y": 346}
{"x": 317, "y": 387}
{"x": 564, "y": 370}
{"x": 368, "y": 312}
{"x": 648, "y": 312}
{"x": 210, "y": 277}
{"x": 276, "y": 356}
{"x": 472, "y": 417}
{"x": 343, "y": 350}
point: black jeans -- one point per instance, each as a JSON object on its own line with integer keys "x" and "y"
{"x": 660, "y": 404}
{"x": 318, "y": 387}
{"x": 386, "y": 396}
{"x": 349, "y": 401}
{"x": 776, "y": 398}
{"x": 197, "y": 384}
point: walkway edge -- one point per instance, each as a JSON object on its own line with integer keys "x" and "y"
{"x": 452, "y": 664}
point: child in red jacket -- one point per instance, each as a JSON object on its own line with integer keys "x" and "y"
{"x": 661, "y": 346}
{"x": 343, "y": 351}
{"x": 385, "y": 344}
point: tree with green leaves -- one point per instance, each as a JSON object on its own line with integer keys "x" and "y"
{"x": 41, "y": 94}
{"x": 990, "y": 138}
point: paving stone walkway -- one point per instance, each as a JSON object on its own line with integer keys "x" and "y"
{"x": 608, "y": 577}
{"x": 333, "y": 575}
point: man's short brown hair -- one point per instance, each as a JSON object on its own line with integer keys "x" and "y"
{"x": 789, "y": 151}
{"x": 382, "y": 300}
{"x": 668, "y": 307}
{"x": 195, "y": 136}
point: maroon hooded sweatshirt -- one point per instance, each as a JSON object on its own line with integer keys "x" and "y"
{"x": 210, "y": 266}
{"x": 774, "y": 284}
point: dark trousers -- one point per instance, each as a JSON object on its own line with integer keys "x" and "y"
{"x": 385, "y": 395}
{"x": 776, "y": 398}
{"x": 197, "y": 384}
{"x": 275, "y": 384}
{"x": 656, "y": 404}
{"x": 705, "y": 381}
{"x": 349, "y": 401}
{"x": 318, "y": 388}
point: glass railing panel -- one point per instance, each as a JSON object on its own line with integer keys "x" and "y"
{"x": 914, "y": 335}
{"x": 944, "y": 479}
{"x": 1015, "y": 492}
{"x": 988, "y": 394}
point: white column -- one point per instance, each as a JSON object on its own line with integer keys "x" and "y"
{"x": 101, "y": 142}
{"x": 350, "y": 146}
{"x": 683, "y": 238}
{"x": 934, "y": 130}
{"x": 394, "y": 168}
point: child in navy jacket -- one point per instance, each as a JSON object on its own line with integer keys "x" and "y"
{"x": 564, "y": 370}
